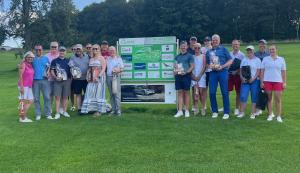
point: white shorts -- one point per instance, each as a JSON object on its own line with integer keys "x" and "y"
{"x": 28, "y": 95}
{"x": 201, "y": 83}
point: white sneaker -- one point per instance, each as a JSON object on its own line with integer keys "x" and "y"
{"x": 241, "y": 115}
{"x": 221, "y": 109}
{"x": 25, "y": 120}
{"x": 72, "y": 108}
{"x": 270, "y": 117}
{"x": 178, "y": 114}
{"x": 49, "y": 117}
{"x": 57, "y": 116}
{"x": 214, "y": 115}
{"x": 65, "y": 114}
{"x": 252, "y": 116}
{"x": 196, "y": 112}
{"x": 258, "y": 112}
{"x": 38, "y": 118}
{"x": 236, "y": 112}
{"x": 279, "y": 119}
{"x": 193, "y": 109}
{"x": 186, "y": 114}
{"x": 203, "y": 112}
{"x": 61, "y": 110}
{"x": 226, "y": 116}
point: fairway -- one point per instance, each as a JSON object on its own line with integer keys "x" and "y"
{"x": 148, "y": 139}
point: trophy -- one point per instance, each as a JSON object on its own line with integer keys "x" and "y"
{"x": 61, "y": 74}
{"x": 46, "y": 71}
{"x": 214, "y": 61}
{"x": 75, "y": 71}
{"x": 179, "y": 69}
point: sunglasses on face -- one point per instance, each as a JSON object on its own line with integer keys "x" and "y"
{"x": 53, "y": 47}
{"x": 88, "y": 48}
{"x": 196, "y": 47}
{"x": 95, "y": 48}
{"x": 78, "y": 49}
{"x": 38, "y": 50}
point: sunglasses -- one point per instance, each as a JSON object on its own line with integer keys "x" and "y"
{"x": 196, "y": 47}
{"x": 88, "y": 48}
{"x": 38, "y": 49}
{"x": 53, "y": 47}
{"x": 95, "y": 48}
{"x": 30, "y": 57}
{"x": 78, "y": 49}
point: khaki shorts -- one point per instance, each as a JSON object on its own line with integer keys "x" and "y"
{"x": 62, "y": 88}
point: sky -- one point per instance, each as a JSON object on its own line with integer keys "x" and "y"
{"x": 80, "y": 4}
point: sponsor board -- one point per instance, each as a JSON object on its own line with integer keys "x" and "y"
{"x": 153, "y": 66}
{"x": 153, "y": 74}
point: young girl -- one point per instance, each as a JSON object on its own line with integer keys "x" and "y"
{"x": 273, "y": 80}
{"x": 198, "y": 80}
{"x": 26, "y": 73}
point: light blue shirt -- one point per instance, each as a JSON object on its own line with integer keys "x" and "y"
{"x": 112, "y": 63}
{"x": 39, "y": 65}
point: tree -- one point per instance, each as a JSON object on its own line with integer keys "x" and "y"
{"x": 2, "y": 34}
{"x": 21, "y": 14}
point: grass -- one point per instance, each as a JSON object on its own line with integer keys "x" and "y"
{"x": 148, "y": 139}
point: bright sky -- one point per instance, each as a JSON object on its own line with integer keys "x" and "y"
{"x": 80, "y": 4}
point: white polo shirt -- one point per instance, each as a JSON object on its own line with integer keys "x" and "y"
{"x": 273, "y": 68}
{"x": 254, "y": 64}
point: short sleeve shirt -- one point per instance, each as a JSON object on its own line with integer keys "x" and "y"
{"x": 39, "y": 65}
{"x": 82, "y": 63}
{"x": 113, "y": 63}
{"x": 220, "y": 52}
{"x": 254, "y": 64}
{"x": 185, "y": 59}
{"x": 63, "y": 63}
{"x": 261, "y": 55}
{"x": 273, "y": 68}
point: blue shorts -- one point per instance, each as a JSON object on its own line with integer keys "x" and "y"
{"x": 183, "y": 82}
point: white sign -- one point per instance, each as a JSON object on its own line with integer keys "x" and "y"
{"x": 126, "y": 50}
{"x": 126, "y": 75}
{"x": 153, "y": 74}
{"x": 167, "y": 74}
{"x": 140, "y": 74}
{"x": 127, "y": 66}
{"x": 167, "y": 65}
{"x": 153, "y": 66}
{"x": 167, "y": 48}
{"x": 167, "y": 57}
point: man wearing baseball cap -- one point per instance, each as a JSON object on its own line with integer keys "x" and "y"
{"x": 261, "y": 54}
{"x": 78, "y": 85}
{"x": 193, "y": 41}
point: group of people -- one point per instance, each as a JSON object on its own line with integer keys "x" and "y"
{"x": 86, "y": 74}
{"x": 206, "y": 67}
{"x": 83, "y": 76}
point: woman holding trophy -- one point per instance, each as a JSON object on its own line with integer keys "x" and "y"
{"x": 114, "y": 68}
{"x": 94, "y": 100}
{"x": 60, "y": 71}
{"x": 184, "y": 66}
{"x": 249, "y": 72}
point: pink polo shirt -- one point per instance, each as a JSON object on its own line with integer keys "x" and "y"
{"x": 27, "y": 75}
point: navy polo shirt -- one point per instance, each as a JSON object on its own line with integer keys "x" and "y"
{"x": 185, "y": 59}
{"x": 261, "y": 55}
{"x": 219, "y": 51}
{"x": 63, "y": 63}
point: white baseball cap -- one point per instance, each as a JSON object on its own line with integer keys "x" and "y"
{"x": 250, "y": 47}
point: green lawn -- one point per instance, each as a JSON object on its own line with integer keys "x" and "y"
{"x": 148, "y": 139}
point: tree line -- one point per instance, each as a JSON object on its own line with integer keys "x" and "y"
{"x": 248, "y": 20}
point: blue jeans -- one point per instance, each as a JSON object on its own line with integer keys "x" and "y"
{"x": 44, "y": 87}
{"x": 222, "y": 78}
{"x": 252, "y": 88}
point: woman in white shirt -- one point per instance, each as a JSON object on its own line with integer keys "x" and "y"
{"x": 273, "y": 75}
{"x": 199, "y": 80}
{"x": 249, "y": 85}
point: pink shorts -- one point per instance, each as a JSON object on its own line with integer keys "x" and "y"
{"x": 273, "y": 86}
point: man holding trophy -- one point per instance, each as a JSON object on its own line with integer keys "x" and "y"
{"x": 184, "y": 65}
{"x": 218, "y": 59}
{"x": 60, "y": 71}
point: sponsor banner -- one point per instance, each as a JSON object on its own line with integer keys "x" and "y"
{"x": 139, "y": 66}
{"x": 167, "y": 74}
{"x": 167, "y": 65}
{"x": 126, "y": 50}
{"x": 139, "y": 74}
{"x": 153, "y": 74}
{"x": 167, "y": 57}
{"x": 167, "y": 48}
{"x": 153, "y": 66}
{"x": 126, "y": 75}
{"x": 127, "y": 66}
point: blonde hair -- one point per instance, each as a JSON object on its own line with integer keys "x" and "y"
{"x": 98, "y": 47}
